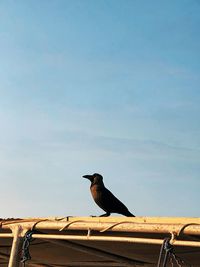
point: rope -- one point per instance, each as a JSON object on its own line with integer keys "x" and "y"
{"x": 34, "y": 225}
{"x": 70, "y": 223}
{"x": 113, "y": 225}
{"x": 165, "y": 251}
{"x": 167, "y": 254}
{"x": 25, "y": 247}
{"x": 181, "y": 231}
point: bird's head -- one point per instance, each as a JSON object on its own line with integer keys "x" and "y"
{"x": 95, "y": 178}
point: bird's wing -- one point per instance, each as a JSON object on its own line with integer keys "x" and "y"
{"x": 112, "y": 203}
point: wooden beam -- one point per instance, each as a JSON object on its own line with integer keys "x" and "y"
{"x": 14, "y": 260}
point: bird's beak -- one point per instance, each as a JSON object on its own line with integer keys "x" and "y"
{"x": 89, "y": 177}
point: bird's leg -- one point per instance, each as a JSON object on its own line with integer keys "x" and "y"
{"x": 105, "y": 215}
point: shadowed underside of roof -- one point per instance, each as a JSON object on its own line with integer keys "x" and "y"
{"x": 98, "y": 241}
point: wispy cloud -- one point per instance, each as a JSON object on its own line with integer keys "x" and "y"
{"x": 97, "y": 87}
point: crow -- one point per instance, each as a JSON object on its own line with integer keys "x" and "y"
{"x": 104, "y": 198}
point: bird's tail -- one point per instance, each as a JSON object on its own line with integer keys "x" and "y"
{"x": 128, "y": 214}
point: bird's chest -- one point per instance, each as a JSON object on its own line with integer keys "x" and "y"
{"x": 96, "y": 192}
{"x": 99, "y": 195}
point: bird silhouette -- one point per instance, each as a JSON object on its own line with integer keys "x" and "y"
{"x": 104, "y": 198}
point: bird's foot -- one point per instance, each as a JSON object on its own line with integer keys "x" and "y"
{"x": 105, "y": 215}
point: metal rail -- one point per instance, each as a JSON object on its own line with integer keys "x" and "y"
{"x": 134, "y": 225}
{"x": 192, "y": 228}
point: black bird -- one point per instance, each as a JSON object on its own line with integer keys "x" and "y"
{"x": 104, "y": 198}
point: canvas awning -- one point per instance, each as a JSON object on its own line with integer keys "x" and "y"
{"x": 99, "y": 241}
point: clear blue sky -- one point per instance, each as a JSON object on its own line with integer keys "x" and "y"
{"x": 99, "y": 86}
